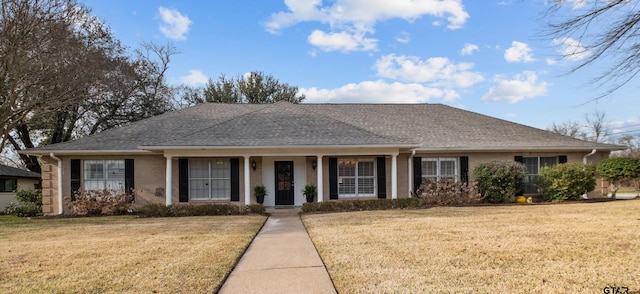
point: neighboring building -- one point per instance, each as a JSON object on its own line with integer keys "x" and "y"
{"x": 12, "y": 179}
{"x": 219, "y": 152}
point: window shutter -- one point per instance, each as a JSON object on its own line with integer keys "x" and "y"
{"x": 520, "y": 190}
{"x": 75, "y": 177}
{"x": 235, "y": 179}
{"x": 562, "y": 159}
{"x": 333, "y": 178}
{"x": 129, "y": 182}
{"x": 417, "y": 173}
{"x": 464, "y": 169}
{"x": 183, "y": 180}
{"x": 382, "y": 179}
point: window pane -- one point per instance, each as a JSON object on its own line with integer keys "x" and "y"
{"x": 347, "y": 168}
{"x": 114, "y": 185}
{"x": 547, "y": 161}
{"x": 115, "y": 169}
{"x": 366, "y": 186}
{"x": 448, "y": 168}
{"x": 429, "y": 167}
{"x": 365, "y": 169}
{"x": 199, "y": 189}
{"x": 348, "y": 186}
{"x": 93, "y": 170}
{"x": 199, "y": 168}
{"x": 8, "y": 185}
{"x": 220, "y": 168}
{"x": 531, "y": 163}
{"x": 220, "y": 189}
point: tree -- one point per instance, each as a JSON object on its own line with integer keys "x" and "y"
{"x": 618, "y": 169}
{"x": 597, "y": 124}
{"x": 569, "y": 128}
{"x": 255, "y": 87}
{"x": 633, "y": 143}
{"x": 49, "y": 52}
{"x": 605, "y": 30}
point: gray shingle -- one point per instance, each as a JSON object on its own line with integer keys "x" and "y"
{"x": 12, "y": 172}
{"x": 430, "y": 126}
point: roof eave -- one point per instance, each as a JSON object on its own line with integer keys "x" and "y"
{"x": 518, "y": 148}
{"x": 83, "y": 152}
{"x": 161, "y": 148}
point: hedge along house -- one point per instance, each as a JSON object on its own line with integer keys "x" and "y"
{"x": 219, "y": 152}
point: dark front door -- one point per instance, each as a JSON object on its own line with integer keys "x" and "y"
{"x": 284, "y": 182}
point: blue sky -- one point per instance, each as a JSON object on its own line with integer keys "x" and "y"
{"x": 483, "y": 56}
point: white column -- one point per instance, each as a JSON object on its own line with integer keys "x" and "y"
{"x": 394, "y": 176}
{"x": 168, "y": 187}
{"x": 319, "y": 178}
{"x": 410, "y": 175}
{"x": 247, "y": 181}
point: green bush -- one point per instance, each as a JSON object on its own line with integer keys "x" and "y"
{"x": 499, "y": 180}
{"x": 445, "y": 192}
{"x": 618, "y": 169}
{"x": 176, "y": 210}
{"x": 567, "y": 181}
{"x": 29, "y": 204}
{"x": 362, "y": 205}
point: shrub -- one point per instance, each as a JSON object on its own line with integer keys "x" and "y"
{"x": 499, "y": 180}
{"x": 100, "y": 202}
{"x": 361, "y": 205}
{"x": 177, "y": 210}
{"x": 29, "y": 204}
{"x": 567, "y": 181}
{"x": 618, "y": 169}
{"x": 445, "y": 192}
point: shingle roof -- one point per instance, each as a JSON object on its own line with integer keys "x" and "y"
{"x": 427, "y": 126}
{"x": 8, "y": 171}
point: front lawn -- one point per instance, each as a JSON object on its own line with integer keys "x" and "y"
{"x": 559, "y": 248}
{"x": 121, "y": 254}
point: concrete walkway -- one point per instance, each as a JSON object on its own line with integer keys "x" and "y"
{"x": 281, "y": 259}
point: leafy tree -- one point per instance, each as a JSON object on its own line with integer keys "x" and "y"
{"x": 49, "y": 52}
{"x": 255, "y": 87}
{"x": 607, "y": 30}
{"x": 618, "y": 169}
{"x": 499, "y": 180}
{"x": 567, "y": 181}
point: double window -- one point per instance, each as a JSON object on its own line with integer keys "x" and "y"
{"x": 356, "y": 177}
{"x": 104, "y": 175}
{"x": 442, "y": 168}
{"x": 209, "y": 178}
{"x": 8, "y": 185}
{"x": 533, "y": 165}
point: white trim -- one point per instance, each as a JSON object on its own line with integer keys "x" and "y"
{"x": 513, "y": 149}
{"x": 319, "y": 178}
{"x": 87, "y": 152}
{"x": 394, "y": 176}
{"x": 324, "y": 147}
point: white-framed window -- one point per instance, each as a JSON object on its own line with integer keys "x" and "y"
{"x": 440, "y": 168}
{"x": 209, "y": 178}
{"x": 356, "y": 177}
{"x": 103, "y": 175}
{"x": 533, "y": 165}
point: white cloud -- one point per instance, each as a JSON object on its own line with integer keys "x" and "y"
{"x": 437, "y": 71}
{"x": 342, "y": 41}
{"x": 403, "y": 38}
{"x": 358, "y": 17}
{"x": 575, "y": 4}
{"x": 469, "y": 49}
{"x": 175, "y": 25}
{"x": 571, "y": 49}
{"x": 518, "y": 52}
{"x": 194, "y": 78}
{"x": 521, "y": 86}
{"x": 378, "y": 92}
{"x": 551, "y": 61}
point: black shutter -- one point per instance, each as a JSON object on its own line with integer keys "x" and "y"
{"x": 520, "y": 190}
{"x": 417, "y": 173}
{"x": 75, "y": 177}
{"x": 333, "y": 178}
{"x": 183, "y": 180}
{"x": 464, "y": 169}
{"x": 129, "y": 182}
{"x": 382, "y": 179}
{"x": 235, "y": 179}
{"x": 562, "y": 159}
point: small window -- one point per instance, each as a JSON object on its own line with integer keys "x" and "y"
{"x": 440, "y": 169}
{"x": 103, "y": 175}
{"x": 8, "y": 185}
{"x": 356, "y": 177}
